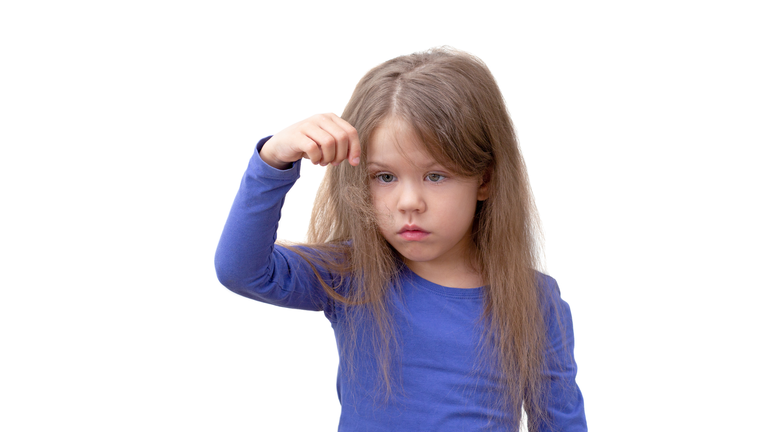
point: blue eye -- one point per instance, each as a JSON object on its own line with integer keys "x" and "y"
{"x": 434, "y": 177}
{"x": 385, "y": 177}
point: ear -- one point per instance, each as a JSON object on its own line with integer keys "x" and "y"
{"x": 483, "y": 192}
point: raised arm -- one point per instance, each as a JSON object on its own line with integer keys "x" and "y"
{"x": 247, "y": 260}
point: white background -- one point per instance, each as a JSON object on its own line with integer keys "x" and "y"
{"x": 125, "y": 128}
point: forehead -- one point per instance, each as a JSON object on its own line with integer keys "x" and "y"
{"x": 395, "y": 142}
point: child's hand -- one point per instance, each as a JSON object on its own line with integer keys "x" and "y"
{"x": 323, "y": 138}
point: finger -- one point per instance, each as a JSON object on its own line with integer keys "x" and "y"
{"x": 353, "y": 141}
{"x": 324, "y": 144}
{"x": 327, "y": 144}
{"x": 311, "y": 150}
{"x": 340, "y": 134}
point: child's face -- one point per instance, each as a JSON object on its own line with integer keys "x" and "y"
{"x": 424, "y": 211}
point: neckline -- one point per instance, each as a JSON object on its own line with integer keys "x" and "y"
{"x": 442, "y": 290}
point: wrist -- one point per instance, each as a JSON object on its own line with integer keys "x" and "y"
{"x": 266, "y": 154}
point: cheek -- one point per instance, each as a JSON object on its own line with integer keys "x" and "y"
{"x": 379, "y": 200}
{"x": 383, "y": 214}
{"x": 461, "y": 209}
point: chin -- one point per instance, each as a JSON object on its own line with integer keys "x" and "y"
{"x": 416, "y": 256}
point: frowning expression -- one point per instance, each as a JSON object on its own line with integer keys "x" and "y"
{"x": 423, "y": 210}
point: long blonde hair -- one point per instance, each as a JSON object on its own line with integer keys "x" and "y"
{"x": 455, "y": 106}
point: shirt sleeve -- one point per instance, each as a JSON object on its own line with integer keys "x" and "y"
{"x": 247, "y": 260}
{"x": 565, "y": 404}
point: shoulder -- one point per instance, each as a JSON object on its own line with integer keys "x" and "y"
{"x": 548, "y": 287}
{"x": 553, "y": 306}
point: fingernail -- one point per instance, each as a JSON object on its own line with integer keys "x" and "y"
{"x": 355, "y": 161}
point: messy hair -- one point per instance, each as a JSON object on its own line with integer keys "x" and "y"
{"x": 454, "y": 105}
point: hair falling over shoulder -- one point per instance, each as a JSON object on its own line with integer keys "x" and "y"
{"x": 454, "y": 104}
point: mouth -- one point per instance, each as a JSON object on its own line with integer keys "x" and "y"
{"x": 412, "y": 233}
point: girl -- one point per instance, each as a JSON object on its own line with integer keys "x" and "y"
{"x": 422, "y": 250}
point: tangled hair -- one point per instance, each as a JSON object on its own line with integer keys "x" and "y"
{"x": 455, "y": 107}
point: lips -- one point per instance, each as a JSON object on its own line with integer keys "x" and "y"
{"x": 412, "y": 233}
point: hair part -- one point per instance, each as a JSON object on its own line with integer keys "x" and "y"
{"x": 455, "y": 107}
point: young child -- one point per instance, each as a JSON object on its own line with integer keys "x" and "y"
{"x": 422, "y": 254}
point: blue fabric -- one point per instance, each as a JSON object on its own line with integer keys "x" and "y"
{"x": 441, "y": 382}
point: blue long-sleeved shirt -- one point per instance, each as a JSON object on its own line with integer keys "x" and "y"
{"x": 441, "y": 382}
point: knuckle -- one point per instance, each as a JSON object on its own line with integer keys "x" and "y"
{"x": 341, "y": 137}
{"x": 326, "y": 141}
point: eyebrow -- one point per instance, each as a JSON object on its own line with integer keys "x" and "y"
{"x": 433, "y": 165}
{"x": 376, "y": 164}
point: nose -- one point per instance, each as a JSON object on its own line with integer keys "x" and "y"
{"x": 411, "y": 199}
